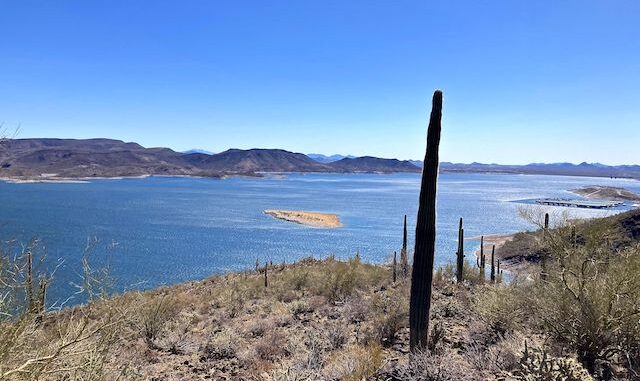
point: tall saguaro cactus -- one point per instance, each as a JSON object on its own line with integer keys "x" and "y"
{"x": 404, "y": 258}
{"x": 424, "y": 253}
{"x": 460, "y": 253}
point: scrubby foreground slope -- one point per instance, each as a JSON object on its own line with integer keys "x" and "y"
{"x": 332, "y": 320}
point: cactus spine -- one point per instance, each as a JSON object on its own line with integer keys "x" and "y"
{"x": 460, "y": 253}
{"x": 424, "y": 253}
{"x": 404, "y": 258}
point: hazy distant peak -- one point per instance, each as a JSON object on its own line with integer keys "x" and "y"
{"x": 328, "y": 158}
{"x": 197, "y": 150}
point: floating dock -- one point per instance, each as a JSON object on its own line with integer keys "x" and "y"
{"x": 589, "y": 204}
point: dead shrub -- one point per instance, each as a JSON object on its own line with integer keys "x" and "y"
{"x": 336, "y": 336}
{"x": 425, "y": 366}
{"x": 272, "y": 346}
{"x": 355, "y": 363}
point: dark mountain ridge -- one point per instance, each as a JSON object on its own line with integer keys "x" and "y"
{"x": 37, "y": 159}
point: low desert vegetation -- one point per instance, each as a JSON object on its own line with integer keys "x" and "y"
{"x": 343, "y": 320}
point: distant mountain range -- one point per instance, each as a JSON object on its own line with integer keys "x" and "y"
{"x": 52, "y": 159}
{"x": 582, "y": 169}
{"x": 70, "y": 158}
{"x": 328, "y": 159}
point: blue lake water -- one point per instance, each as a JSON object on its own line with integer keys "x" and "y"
{"x": 157, "y": 231}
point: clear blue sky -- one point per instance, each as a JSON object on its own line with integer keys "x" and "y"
{"x": 524, "y": 81}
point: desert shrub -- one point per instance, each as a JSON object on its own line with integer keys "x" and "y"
{"x": 336, "y": 336}
{"x": 272, "y": 346}
{"x": 357, "y": 310}
{"x": 299, "y": 279}
{"x": 426, "y": 366}
{"x": 154, "y": 315}
{"x": 588, "y": 300}
{"x": 232, "y": 298}
{"x": 259, "y": 328}
{"x": 339, "y": 281}
{"x": 591, "y": 303}
{"x": 299, "y": 307}
{"x": 315, "y": 348}
{"x": 494, "y": 357}
{"x": 537, "y": 365}
{"x": 72, "y": 344}
{"x": 502, "y": 309}
{"x": 390, "y": 313}
{"x": 355, "y": 363}
{"x": 444, "y": 276}
{"x": 221, "y": 347}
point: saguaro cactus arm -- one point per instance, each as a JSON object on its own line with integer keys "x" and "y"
{"x": 424, "y": 253}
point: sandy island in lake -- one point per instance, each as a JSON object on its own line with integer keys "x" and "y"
{"x": 316, "y": 219}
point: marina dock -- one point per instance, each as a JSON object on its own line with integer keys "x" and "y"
{"x": 590, "y": 204}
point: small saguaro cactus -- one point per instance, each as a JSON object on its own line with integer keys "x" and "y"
{"x": 493, "y": 264}
{"x": 42, "y": 296}
{"x": 266, "y": 276}
{"x": 393, "y": 267}
{"x": 257, "y": 264}
{"x": 481, "y": 258}
{"x": 460, "y": 253}
{"x": 424, "y": 252}
{"x": 404, "y": 257}
{"x": 29, "y": 283}
{"x": 543, "y": 260}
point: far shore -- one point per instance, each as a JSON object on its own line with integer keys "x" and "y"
{"x": 315, "y": 219}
